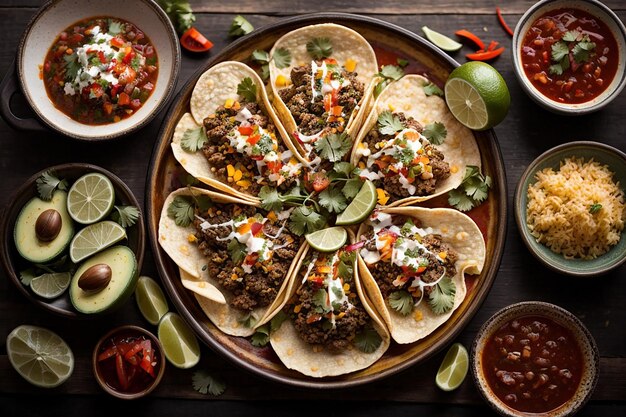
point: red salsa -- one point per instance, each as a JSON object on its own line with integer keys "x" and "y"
{"x": 570, "y": 56}
{"x": 128, "y": 363}
{"x": 532, "y": 364}
{"x": 100, "y": 70}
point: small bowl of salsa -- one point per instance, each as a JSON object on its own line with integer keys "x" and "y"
{"x": 570, "y": 55}
{"x": 535, "y": 358}
{"x": 128, "y": 362}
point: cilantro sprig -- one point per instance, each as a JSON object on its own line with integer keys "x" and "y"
{"x": 47, "y": 183}
{"x": 472, "y": 191}
{"x": 388, "y": 73}
{"x": 125, "y": 216}
{"x": 333, "y": 147}
{"x": 281, "y": 58}
{"x": 368, "y": 340}
{"x": 442, "y": 296}
{"x": 240, "y": 26}
{"x": 388, "y": 123}
{"x": 247, "y": 89}
{"x": 431, "y": 89}
{"x": 575, "y": 44}
{"x": 319, "y": 48}
{"x": 262, "y": 335}
{"x": 206, "y": 383}
{"x": 193, "y": 139}
{"x": 179, "y": 12}
{"x": 401, "y": 301}
{"x": 435, "y": 133}
{"x": 182, "y": 208}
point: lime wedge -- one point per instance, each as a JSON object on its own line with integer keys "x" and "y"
{"x": 179, "y": 342}
{"x": 453, "y": 369}
{"x": 327, "y": 240}
{"x": 360, "y": 207}
{"x": 477, "y": 95}
{"x": 150, "y": 300}
{"x": 94, "y": 238}
{"x": 90, "y": 198}
{"x": 51, "y": 285}
{"x": 40, "y": 356}
{"x": 441, "y": 41}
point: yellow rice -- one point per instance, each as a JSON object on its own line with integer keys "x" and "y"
{"x": 559, "y": 203}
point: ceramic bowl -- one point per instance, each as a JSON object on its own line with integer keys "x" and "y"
{"x": 604, "y": 154}
{"x": 100, "y": 368}
{"x": 588, "y": 348}
{"x": 594, "y": 8}
{"x": 13, "y": 263}
{"x": 54, "y": 17}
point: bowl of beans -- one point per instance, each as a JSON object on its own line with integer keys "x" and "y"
{"x": 570, "y": 55}
{"x": 535, "y": 358}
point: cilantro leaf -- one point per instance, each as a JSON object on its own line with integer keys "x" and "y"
{"x": 261, "y": 336}
{"x": 27, "y": 276}
{"x": 193, "y": 139}
{"x": 248, "y": 320}
{"x": 402, "y": 62}
{"x": 304, "y": 220}
{"x": 472, "y": 191}
{"x": 180, "y": 14}
{"x": 555, "y": 69}
{"x": 334, "y": 146}
{"x": 401, "y": 301}
{"x": 71, "y": 66}
{"x": 47, "y": 183}
{"x": 344, "y": 168}
{"x": 392, "y": 72}
{"x": 333, "y": 200}
{"x": 442, "y": 296}
{"x": 204, "y": 383}
{"x": 345, "y": 269}
{"x": 435, "y": 133}
{"x": 270, "y": 199}
{"x": 125, "y": 216}
{"x": 260, "y": 56}
{"x": 319, "y": 48}
{"x": 181, "y": 209}
{"x": 388, "y": 124}
{"x": 281, "y": 58}
{"x": 238, "y": 251}
{"x": 380, "y": 87}
{"x": 115, "y": 27}
{"x": 460, "y": 200}
{"x": 559, "y": 51}
{"x": 240, "y": 26}
{"x": 594, "y": 208}
{"x": 582, "y": 50}
{"x": 571, "y": 36}
{"x": 319, "y": 299}
{"x": 432, "y": 89}
{"x": 247, "y": 89}
{"x": 277, "y": 320}
{"x": 351, "y": 187}
{"x": 368, "y": 340}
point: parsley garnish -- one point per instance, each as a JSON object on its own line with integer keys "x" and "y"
{"x": 594, "y": 208}
{"x": 193, "y": 139}
{"x": 333, "y": 200}
{"x": 560, "y": 51}
{"x": 237, "y": 251}
{"x": 240, "y": 26}
{"x": 247, "y": 89}
{"x": 472, "y": 191}
{"x": 442, "y": 296}
{"x": 181, "y": 210}
{"x": 401, "y": 301}
{"x": 204, "y": 383}
{"x": 47, "y": 183}
{"x": 333, "y": 147}
{"x": 319, "y": 48}
{"x": 281, "y": 58}
{"x": 125, "y": 216}
{"x": 388, "y": 73}
{"x": 432, "y": 89}
{"x": 368, "y": 340}
{"x": 305, "y": 220}
{"x": 180, "y": 14}
{"x": 435, "y": 133}
{"x": 388, "y": 123}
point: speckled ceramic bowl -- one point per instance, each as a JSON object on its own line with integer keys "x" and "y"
{"x": 54, "y": 17}
{"x": 606, "y": 155}
{"x": 589, "y": 350}
{"x": 594, "y": 8}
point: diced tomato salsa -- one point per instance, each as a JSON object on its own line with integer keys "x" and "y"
{"x": 100, "y": 70}
{"x": 570, "y": 56}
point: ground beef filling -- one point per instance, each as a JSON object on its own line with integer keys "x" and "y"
{"x": 309, "y": 114}
{"x": 220, "y": 154}
{"x": 391, "y": 182}
{"x": 250, "y": 290}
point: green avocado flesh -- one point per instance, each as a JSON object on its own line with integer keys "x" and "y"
{"x": 26, "y": 241}
{"x": 124, "y": 276}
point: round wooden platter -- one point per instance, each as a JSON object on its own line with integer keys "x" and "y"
{"x": 390, "y": 42}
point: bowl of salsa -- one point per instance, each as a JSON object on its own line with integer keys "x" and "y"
{"x": 98, "y": 71}
{"x": 570, "y": 56}
{"x": 535, "y": 358}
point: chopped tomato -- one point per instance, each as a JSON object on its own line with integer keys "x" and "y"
{"x": 96, "y": 91}
{"x": 252, "y": 140}
{"x": 274, "y": 166}
{"x": 192, "y": 40}
{"x": 117, "y": 42}
{"x": 256, "y": 228}
{"x": 128, "y": 76}
{"x": 313, "y": 318}
{"x": 146, "y": 360}
{"x": 320, "y": 182}
{"x": 245, "y": 130}
{"x": 76, "y": 37}
{"x": 130, "y": 54}
{"x": 123, "y": 99}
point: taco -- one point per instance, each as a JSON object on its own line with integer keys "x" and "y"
{"x": 330, "y": 327}
{"x": 412, "y": 264}
{"x": 411, "y": 146}
{"x": 233, "y": 140}
{"x": 327, "y": 87}
{"x": 229, "y": 245}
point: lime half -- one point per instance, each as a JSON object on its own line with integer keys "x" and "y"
{"x": 453, "y": 369}
{"x": 40, "y": 356}
{"x": 327, "y": 240}
{"x": 150, "y": 300}
{"x": 441, "y": 41}
{"x": 51, "y": 285}
{"x": 179, "y": 342}
{"x": 90, "y": 198}
{"x": 94, "y": 238}
{"x": 477, "y": 95}
{"x": 360, "y": 207}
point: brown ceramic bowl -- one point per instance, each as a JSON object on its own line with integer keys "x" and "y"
{"x": 13, "y": 263}
{"x": 584, "y": 339}
{"x": 105, "y": 372}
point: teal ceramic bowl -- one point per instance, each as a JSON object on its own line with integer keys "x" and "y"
{"x": 604, "y": 154}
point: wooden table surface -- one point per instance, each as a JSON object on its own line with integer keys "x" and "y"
{"x": 526, "y": 132}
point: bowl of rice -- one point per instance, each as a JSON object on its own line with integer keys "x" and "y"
{"x": 570, "y": 208}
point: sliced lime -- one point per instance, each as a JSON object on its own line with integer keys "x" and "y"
{"x": 327, "y": 240}
{"x": 453, "y": 369}
{"x": 40, "y": 356}
{"x": 90, "y": 198}
{"x": 179, "y": 342}
{"x": 150, "y": 300}
{"x": 360, "y": 207}
{"x": 94, "y": 238}
{"x": 51, "y": 285}
{"x": 441, "y": 41}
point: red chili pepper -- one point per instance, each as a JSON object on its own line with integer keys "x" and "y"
{"x": 485, "y": 56}
{"x": 121, "y": 372}
{"x": 146, "y": 361}
{"x": 503, "y": 23}
{"x": 194, "y": 41}
{"x": 133, "y": 351}
{"x": 493, "y": 45}
{"x": 472, "y": 37}
{"x": 112, "y": 351}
